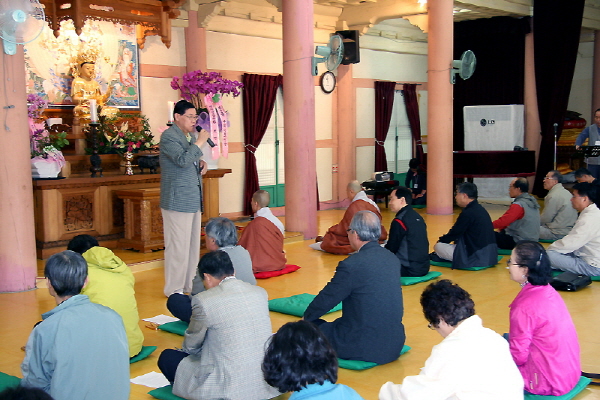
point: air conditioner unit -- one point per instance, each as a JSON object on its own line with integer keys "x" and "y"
{"x": 494, "y": 127}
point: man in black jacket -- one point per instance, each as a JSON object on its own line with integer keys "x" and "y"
{"x": 473, "y": 234}
{"x": 408, "y": 235}
{"x": 368, "y": 285}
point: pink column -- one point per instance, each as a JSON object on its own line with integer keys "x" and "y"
{"x": 533, "y": 138}
{"x": 439, "y": 107}
{"x": 596, "y": 78}
{"x": 18, "y": 266}
{"x": 346, "y": 129}
{"x": 195, "y": 44}
{"x": 299, "y": 118}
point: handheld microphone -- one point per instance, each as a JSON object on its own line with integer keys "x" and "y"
{"x": 209, "y": 140}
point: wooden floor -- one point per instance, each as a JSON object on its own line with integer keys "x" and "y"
{"x": 491, "y": 290}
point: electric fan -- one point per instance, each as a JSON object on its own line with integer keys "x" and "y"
{"x": 21, "y": 21}
{"x": 463, "y": 67}
{"x": 332, "y": 54}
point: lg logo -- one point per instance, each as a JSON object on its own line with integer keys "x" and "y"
{"x": 485, "y": 122}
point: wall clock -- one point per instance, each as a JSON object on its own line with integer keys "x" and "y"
{"x": 328, "y": 82}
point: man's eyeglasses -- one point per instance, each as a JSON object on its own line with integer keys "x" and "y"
{"x": 431, "y": 326}
{"x": 194, "y": 117}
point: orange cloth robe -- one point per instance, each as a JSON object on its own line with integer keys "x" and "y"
{"x": 264, "y": 242}
{"x": 336, "y": 239}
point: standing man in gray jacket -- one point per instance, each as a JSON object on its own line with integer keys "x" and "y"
{"x": 181, "y": 197}
{"x": 558, "y": 216}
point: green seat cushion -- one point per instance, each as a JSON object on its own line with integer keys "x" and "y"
{"x": 419, "y": 205}
{"x": 547, "y": 240}
{"x": 583, "y": 382}
{"x": 164, "y": 393}
{"x": 411, "y": 280}
{"x": 448, "y": 264}
{"x": 360, "y": 365}
{"x": 296, "y": 304}
{"x": 177, "y": 327}
{"x": 504, "y": 252}
{"x": 145, "y": 352}
{"x": 8, "y": 381}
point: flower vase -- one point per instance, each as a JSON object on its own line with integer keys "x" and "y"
{"x": 128, "y": 156}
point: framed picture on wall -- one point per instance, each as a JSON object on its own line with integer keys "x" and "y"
{"x": 50, "y": 63}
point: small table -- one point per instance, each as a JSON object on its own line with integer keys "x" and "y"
{"x": 376, "y": 188}
{"x": 143, "y": 220}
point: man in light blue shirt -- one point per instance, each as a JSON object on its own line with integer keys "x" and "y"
{"x": 79, "y": 350}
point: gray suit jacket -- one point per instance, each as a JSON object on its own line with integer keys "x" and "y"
{"x": 180, "y": 181}
{"x": 226, "y": 339}
{"x": 242, "y": 265}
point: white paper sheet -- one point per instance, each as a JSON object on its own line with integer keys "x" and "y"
{"x": 161, "y": 319}
{"x": 151, "y": 379}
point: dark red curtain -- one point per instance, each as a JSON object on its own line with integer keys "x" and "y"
{"x": 556, "y": 35}
{"x": 412, "y": 110}
{"x": 258, "y": 101}
{"x": 384, "y": 102}
{"x": 499, "y": 45}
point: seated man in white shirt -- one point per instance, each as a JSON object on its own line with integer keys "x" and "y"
{"x": 472, "y": 362}
{"x": 579, "y": 251}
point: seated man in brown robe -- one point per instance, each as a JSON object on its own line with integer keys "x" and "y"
{"x": 336, "y": 239}
{"x": 263, "y": 236}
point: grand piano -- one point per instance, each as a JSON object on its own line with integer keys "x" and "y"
{"x": 493, "y": 164}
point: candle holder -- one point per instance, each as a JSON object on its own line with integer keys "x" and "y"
{"x": 95, "y": 159}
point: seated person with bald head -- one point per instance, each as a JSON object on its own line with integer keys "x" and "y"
{"x": 558, "y": 216}
{"x": 336, "y": 239}
{"x": 368, "y": 285}
{"x": 263, "y": 236}
{"x": 522, "y": 219}
{"x": 221, "y": 234}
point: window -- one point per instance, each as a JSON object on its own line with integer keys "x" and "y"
{"x": 270, "y": 158}
{"x": 398, "y": 143}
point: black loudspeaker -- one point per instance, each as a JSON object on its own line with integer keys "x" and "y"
{"x": 351, "y": 47}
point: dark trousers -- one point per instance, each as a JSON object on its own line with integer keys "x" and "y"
{"x": 504, "y": 241}
{"x": 180, "y": 306}
{"x": 169, "y": 361}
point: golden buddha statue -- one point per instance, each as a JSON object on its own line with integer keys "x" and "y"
{"x": 86, "y": 88}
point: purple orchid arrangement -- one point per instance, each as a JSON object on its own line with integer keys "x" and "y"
{"x": 196, "y": 84}
{"x": 35, "y": 105}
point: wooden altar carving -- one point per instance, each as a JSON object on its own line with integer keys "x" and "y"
{"x": 69, "y": 207}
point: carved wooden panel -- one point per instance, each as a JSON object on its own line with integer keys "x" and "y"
{"x": 78, "y": 212}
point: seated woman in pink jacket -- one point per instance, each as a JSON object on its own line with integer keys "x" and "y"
{"x": 543, "y": 340}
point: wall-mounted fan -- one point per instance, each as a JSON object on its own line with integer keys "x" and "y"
{"x": 463, "y": 67}
{"x": 21, "y": 21}
{"x": 332, "y": 54}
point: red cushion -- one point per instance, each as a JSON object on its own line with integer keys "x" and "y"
{"x": 269, "y": 274}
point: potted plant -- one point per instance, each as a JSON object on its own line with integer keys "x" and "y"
{"x": 46, "y": 158}
{"x": 125, "y": 134}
